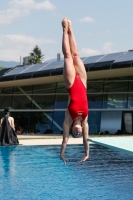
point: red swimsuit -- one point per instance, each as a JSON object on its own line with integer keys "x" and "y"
{"x": 78, "y": 105}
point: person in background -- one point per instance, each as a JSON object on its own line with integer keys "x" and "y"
{"x": 8, "y": 135}
{"x": 19, "y": 131}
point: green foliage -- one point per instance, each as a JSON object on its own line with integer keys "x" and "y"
{"x": 2, "y": 67}
{"x": 36, "y": 56}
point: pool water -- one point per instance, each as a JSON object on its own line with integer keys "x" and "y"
{"x": 36, "y": 172}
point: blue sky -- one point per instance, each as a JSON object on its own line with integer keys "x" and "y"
{"x": 100, "y": 26}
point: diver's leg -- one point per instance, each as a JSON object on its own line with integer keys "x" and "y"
{"x": 68, "y": 70}
{"x": 78, "y": 64}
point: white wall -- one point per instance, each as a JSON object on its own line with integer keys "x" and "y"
{"x": 128, "y": 122}
{"x": 111, "y": 121}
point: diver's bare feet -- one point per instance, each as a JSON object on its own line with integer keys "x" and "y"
{"x": 65, "y": 24}
{"x": 69, "y": 25}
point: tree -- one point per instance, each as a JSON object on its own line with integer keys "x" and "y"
{"x": 2, "y": 67}
{"x": 36, "y": 56}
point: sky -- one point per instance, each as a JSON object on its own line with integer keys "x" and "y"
{"x": 100, "y": 26}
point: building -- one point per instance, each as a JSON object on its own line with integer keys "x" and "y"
{"x": 38, "y": 97}
{"x": 26, "y": 60}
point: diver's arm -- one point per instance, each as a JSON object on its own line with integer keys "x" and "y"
{"x": 85, "y": 141}
{"x": 66, "y": 128}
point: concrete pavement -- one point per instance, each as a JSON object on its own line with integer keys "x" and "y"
{"x": 54, "y": 139}
{"x": 46, "y": 140}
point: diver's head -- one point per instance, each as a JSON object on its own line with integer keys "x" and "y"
{"x": 76, "y": 131}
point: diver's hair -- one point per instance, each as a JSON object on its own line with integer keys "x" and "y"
{"x": 7, "y": 110}
{"x": 72, "y": 134}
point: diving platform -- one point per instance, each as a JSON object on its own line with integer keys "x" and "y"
{"x": 123, "y": 144}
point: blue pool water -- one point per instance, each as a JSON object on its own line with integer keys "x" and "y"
{"x": 36, "y": 172}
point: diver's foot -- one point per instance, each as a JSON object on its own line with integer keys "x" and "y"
{"x": 69, "y": 25}
{"x": 65, "y": 24}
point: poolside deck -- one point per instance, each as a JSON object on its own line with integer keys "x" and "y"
{"x": 49, "y": 139}
{"x": 120, "y": 143}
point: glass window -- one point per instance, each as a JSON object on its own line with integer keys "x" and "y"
{"x": 22, "y": 102}
{"x": 5, "y": 101}
{"x": 7, "y": 90}
{"x": 21, "y": 119}
{"x": 115, "y": 101}
{"x": 94, "y": 87}
{"x": 61, "y": 88}
{"x": 41, "y": 122}
{"x": 95, "y": 100}
{"x": 58, "y": 118}
{"x": 34, "y": 122}
{"x": 130, "y": 101}
{"x": 131, "y": 86}
{"x": 44, "y": 101}
{"x": 116, "y": 87}
{"x": 94, "y": 121}
{"x": 61, "y": 101}
{"x": 127, "y": 122}
{"x": 46, "y": 88}
{"x": 23, "y": 90}
{"x": 122, "y": 78}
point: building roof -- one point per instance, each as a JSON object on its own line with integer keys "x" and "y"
{"x": 52, "y": 68}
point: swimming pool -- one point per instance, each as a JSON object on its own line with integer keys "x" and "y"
{"x": 36, "y": 172}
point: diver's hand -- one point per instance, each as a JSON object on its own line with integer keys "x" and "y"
{"x": 63, "y": 158}
{"x": 84, "y": 159}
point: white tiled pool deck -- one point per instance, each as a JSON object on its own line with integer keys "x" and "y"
{"x": 46, "y": 140}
